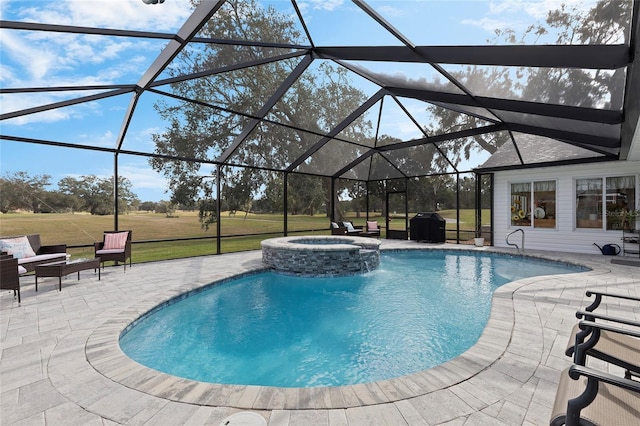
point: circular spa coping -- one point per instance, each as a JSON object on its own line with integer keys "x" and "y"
{"x": 321, "y": 255}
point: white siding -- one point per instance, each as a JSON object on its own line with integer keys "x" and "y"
{"x": 565, "y": 237}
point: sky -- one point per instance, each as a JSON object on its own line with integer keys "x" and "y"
{"x": 32, "y": 59}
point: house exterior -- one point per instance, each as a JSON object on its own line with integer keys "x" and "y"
{"x": 568, "y": 208}
{"x": 565, "y": 207}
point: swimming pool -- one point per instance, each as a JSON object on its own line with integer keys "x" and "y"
{"x": 418, "y": 310}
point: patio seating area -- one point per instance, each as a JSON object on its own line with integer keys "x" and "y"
{"x": 58, "y": 365}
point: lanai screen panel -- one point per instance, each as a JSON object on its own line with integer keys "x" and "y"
{"x": 272, "y": 146}
{"x": 67, "y": 124}
{"x": 313, "y": 102}
{"x": 243, "y": 22}
{"x": 419, "y": 160}
{"x": 331, "y": 158}
{"x": 190, "y": 128}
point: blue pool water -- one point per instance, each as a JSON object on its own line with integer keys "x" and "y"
{"x": 417, "y": 310}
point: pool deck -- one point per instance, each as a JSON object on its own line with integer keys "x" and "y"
{"x": 60, "y": 362}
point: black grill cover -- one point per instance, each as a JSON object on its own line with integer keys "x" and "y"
{"x": 429, "y": 227}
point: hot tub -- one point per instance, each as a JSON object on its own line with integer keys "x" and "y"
{"x": 321, "y": 255}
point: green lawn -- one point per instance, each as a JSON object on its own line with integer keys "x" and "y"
{"x": 148, "y": 228}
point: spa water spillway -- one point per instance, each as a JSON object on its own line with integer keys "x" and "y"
{"x": 321, "y": 255}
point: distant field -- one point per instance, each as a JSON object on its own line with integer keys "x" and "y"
{"x": 84, "y": 229}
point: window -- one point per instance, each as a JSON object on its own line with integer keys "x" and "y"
{"x": 521, "y": 204}
{"x": 589, "y": 203}
{"x": 605, "y": 202}
{"x": 544, "y": 210}
{"x": 620, "y": 198}
{"x": 534, "y": 204}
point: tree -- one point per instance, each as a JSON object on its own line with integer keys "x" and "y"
{"x": 467, "y": 192}
{"x": 57, "y": 202}
{"x": 273, "y": 198}
{"x": 97, "y": 195}
{"x": 147, "y": 206}
{"x": 22, "y": 192}
{"x": 306, "y": 194}
{"x": 432, "y": 193}
{"x": 316, "y": 102}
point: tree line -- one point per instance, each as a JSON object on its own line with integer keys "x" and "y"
{"x": 90, "y": 193}
{"x": 306, "y": 196}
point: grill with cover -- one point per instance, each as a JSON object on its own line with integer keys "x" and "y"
{"x": 428, "y": 227}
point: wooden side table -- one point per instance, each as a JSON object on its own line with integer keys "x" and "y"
{"x": 61, "y": 269}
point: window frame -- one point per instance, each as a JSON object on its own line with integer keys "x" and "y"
{"x": 531, "y": 201}
{"x": 604, "y": 215}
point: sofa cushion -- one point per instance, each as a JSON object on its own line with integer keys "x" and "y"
{"x": 115, "y": 240}
{"x": 349, "y": 226}
{"x": 42, "y": 257}
{"x": 18, "y": 247}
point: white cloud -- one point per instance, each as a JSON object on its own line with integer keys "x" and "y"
{"x": 122, "y": 14}
{"x": 322, "y": 4}
{"x": 145, "y": 182}
{"x": 387, "y": 10}
{"x": 34, "y": 60}
{"x": 537, "y": 9}
{"x": 490, "y": 25}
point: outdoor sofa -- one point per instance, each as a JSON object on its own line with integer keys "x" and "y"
{"x": 30, "y": 252}
{"x": 345, "y": 228}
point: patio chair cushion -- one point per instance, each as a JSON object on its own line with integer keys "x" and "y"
{"x": 110, "y": 251}
{"x": 19, "y": 247}
{"x": 21, "y": 270}
{"x": 334, "y": 225}
{"x": 372, "y": 225}
{"x": 115, "y": 240}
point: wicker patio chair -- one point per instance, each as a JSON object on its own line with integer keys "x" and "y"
{"x": 114, "y": 247}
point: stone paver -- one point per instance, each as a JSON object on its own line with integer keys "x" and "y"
{"x": 60, "y": 362}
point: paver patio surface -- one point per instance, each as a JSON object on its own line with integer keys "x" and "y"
{"x": 60, "y": 363}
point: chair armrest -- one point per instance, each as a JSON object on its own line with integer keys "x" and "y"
{"x": 98, "y": 246}
{"x": 9, "y": 276}
{"x": 575, "y": 371}
{"x": 602, "y": 326}
{"x": 58, "y": 248}
{"x": 598, "y": 299}
{"x": 590, "y": 316}
{"x": 9, "y": 260}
